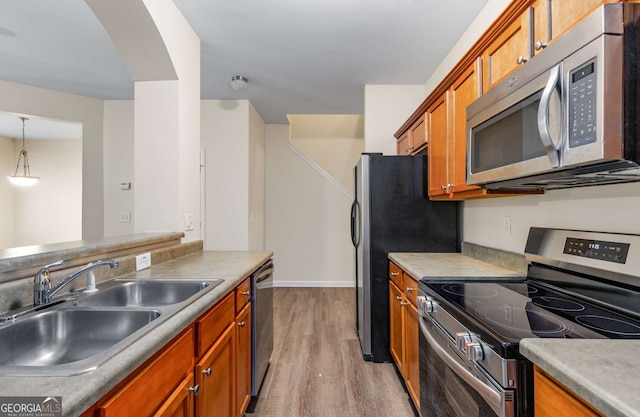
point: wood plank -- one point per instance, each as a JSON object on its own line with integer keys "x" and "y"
{"x": 317, "y": 367}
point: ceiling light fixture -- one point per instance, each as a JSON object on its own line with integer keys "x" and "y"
{"x": 25, "y": 178}
{"x": 238, "y": 82}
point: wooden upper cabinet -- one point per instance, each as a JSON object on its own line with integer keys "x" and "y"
{"x": 404, "y": 144}
{"x": 507, "y": 52}
{"x": 414, "y": 139}
{"x": 553, "y": 18}
{"x": 463, "y": 92}
{"x": 418, "y": 134}
{"x": 566, "y": 13}
{"x": 541, "y": 25}
{"x": 438, "y": 132}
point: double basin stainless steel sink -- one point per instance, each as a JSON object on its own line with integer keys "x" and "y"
{"x": 80, "y": 334}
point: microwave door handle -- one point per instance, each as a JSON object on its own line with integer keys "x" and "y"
{"x": 495, "y": 399}
{"x": 543, "y": 117}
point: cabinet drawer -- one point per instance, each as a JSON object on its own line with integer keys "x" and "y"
{"x": 211, "y": 324}
{"x": 152, "y": 385}
{"x": 243, "y": 295}
{"x": 410, "y": 289}
{"x": 395, "y": 274}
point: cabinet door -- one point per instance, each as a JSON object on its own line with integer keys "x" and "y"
{"x": 180, "y": 403}
{"x": 464, "y": 91}
{"x": 437, "y": 125}
{"x": 418, "y": 134}
{"x": 243, "y": 360}
{"x": 541, "y": 25}
{"x": 404, "y": 144}
{"x": 566, "y": 13}
{"x": 551, "y": 399}
{"x": 149, "y": 389}
{"x": 412, "y": 365}
{"x": 510, "y": 49}
{"x": 396, "y": 325}
{"x": 215, "y": 374}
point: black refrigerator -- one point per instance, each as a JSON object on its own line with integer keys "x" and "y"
{"x": 392, "y": 213}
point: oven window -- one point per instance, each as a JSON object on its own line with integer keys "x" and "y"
{"x": 443, "y": 393}
{"x": 508, "y": 138}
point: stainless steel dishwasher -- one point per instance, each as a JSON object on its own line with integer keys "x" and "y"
{"x": 262, "y": 329}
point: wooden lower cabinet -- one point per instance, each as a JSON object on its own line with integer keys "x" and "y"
{"x": 204, "y": 371}
{"x": 404, "y": 332}
{"x": 215, "y": 375}
{"x": 243, "y": 360}
{"x": 552, "y": 399}
{"x": 180, "y": 403}
{"x": 148, "y": 390}
{"x": 412, "y": 356}
{"x": 396, "y": 320}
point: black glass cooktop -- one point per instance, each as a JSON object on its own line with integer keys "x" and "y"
{"x": 508, "y": 312}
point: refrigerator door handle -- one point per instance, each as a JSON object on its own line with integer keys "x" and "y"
{"x": 355, "y": 220}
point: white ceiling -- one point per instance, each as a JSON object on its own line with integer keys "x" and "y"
{"x": 301, "y": 56}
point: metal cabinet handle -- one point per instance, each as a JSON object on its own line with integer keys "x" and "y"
{"x": 207, "y": 372}
{"x": 398, "y": 298}
{"x": 540, "y": 45}
{"x": 395, "y": 274}
{"x": 521, "y": 60}
{"x": 195, "y": 389}
{"x": 443, "y": 187}
{"x": 402, "y": 304}
{"x": 247, "y": 293}
{"x": 241, "y": 324}
{"x": 409, "y": 289}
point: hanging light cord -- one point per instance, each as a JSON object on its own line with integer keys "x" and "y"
{"x": 23, "y": 154}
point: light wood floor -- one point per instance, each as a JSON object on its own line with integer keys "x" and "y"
{"x": 317, "y": 368}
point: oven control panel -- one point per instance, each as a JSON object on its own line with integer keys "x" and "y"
{"x": 597, "y": 249}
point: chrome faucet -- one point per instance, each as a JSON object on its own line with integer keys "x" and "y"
{"x": 42, "y": 290}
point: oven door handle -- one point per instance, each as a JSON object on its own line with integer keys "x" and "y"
{"x": 543, "y": 117}
{"x": 494, "y": 398}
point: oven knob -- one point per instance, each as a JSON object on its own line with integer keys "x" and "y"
{"x": 430, "y": 305}
{"x": 474, "y": 351}
{"x": 426, "y": 304}
{"x": 462, "y": 338}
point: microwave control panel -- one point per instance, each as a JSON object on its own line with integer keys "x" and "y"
{"x": 582, "y": 105}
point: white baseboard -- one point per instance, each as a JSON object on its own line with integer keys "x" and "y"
{"x": 325, "y": 284}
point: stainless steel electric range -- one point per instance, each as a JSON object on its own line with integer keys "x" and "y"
{"x": 579, "y": 285}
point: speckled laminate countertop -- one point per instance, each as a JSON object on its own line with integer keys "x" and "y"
{"x": 602, "y": 372}
{"x": 443, "y": 266}
{"x": 82, "y": 391}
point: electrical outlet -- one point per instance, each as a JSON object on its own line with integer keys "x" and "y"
{"x": 506, "y": 225}
{"x": 125, "y": 217}
{"x": 143, "y": 261}
{"x": 188, "y": 221}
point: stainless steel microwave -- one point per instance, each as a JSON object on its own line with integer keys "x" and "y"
{"x": 568, "y": 117}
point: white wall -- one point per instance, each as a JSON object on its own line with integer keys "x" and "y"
{"x": 333, "y": 142}
{"x": 386, "y": 108}
{"x": 233, "y": 138}
{"x": 610, "y": 208}
{"x": 118, "y": 165}
{"x": 27, "y": 100}
{"x": 51, "y": 210}
{"x": 256, "y": 180}
{"x": 480, "y": 24}
{"x": 7, "y": 191}
{"x": 307, "y": 219}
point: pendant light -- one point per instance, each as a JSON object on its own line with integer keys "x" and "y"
{"x": 25, "y": 179}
